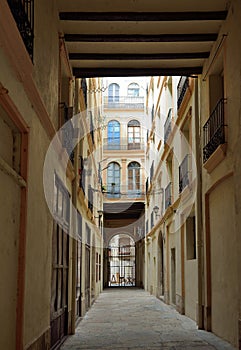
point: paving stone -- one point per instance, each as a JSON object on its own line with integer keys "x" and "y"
{"x": 132, "y": 319}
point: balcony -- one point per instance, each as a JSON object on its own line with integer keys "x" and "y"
{"x": 184, "y": 174}
{"x": 123, "y": 191}
{"x": 124, "y": 102}
{"x": 168, "y": 126}
{"x": 168, "y": 195}
{"x": 181, "y": 90}
{"x": 23, "y": 13}
{"x": 67, "y": 139}
{"x": 123, "y": 144}
{"x": 214, "y": 131}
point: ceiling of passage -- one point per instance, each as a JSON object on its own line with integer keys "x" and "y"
{"x": 140, "y": 37}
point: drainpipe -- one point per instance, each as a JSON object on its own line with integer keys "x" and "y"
{"x": 74, "y": 235}
{"x": 199, "y": 206}
{"x": 22, "y": 246}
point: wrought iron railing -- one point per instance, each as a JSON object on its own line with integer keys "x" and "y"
{"x": 184, "y": 174}
{"x": 168, "y": 195}
{"x": 124, "y": 191}
{"x": 214, "y": 130}
{"x": 152, "y": 170}
{"x": 123, "y": 144}
{"x": 181, "y": 90}
{"x": 152, "y": 219}
{"x": 67, "y": 139}
{"x": 124, "y": 102}
{"x": 90, "y": 198}
{"x": 23, "y": 13}
{"x": 152, "y": 113}
{"x": 84, "y": 90}
{"x": 168, "y": 125}
{"x": 147, "y": 184}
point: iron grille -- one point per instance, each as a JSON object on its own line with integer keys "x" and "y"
{"x": 152, "y": 171}
{"x": 183, "y": 174}
{"x": 213, "y": 130}
{"x": 152, "y": 219}
{"x": 168, "y": 195}
{"x": 68, "y": 134}
{"x": 181, "y": 90}
{"x": 84, "y": 90}
{"x": 168, "y": 125}
{"x": 23, "y": 13}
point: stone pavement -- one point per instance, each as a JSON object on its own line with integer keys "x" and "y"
{"x": 133, "y": 319}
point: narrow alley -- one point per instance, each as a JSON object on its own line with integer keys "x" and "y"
{"x": 130, "y": 318}
{"x": 120, "y": 174}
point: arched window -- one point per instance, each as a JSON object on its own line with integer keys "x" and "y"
{"x": 133, "y": 90}
{"x": 134, "y": 183}
{"x": 134, "y": 139}
{"x": 113, "y": 180}
{"x": 113, "y": 92}
{"x": 113, "y": 134}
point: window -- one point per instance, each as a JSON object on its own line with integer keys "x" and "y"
{"x": 191, "y": 238}
{"x": 133, "y": 90}
{"x": 113, "y": 93}
{"x": 98, "y": 267}
{"x": 134, "y": 178}
{"x": 113, "y": 134}
{"x": 134, "y": 140}
{"x": 113, "y": 180}
{"x": 60, "y": 261}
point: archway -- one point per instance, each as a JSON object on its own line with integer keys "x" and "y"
{"x": 121, "y": 261}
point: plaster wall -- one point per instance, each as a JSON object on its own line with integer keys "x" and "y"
{"x": 9, "y": 229}
{"x": 46, "y": 55}
{"x": 224, "y": 262}
{"x": 191, "y": 288}
{"x": 225, "y": 199}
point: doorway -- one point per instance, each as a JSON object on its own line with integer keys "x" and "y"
{"x": 121, "y": 261}
{"x": 173, "y": 276}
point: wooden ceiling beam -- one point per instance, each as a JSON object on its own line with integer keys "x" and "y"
{"x": 199, "y": 37}
{"x": 122, "y": 72}
{"x": 137, "y": 56}
{"x": 144, "y": 16}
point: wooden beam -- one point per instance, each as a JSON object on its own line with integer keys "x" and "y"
{"x": 140, "y": 37}
{"x": 137, "y": 56}
{"x": 144, "y": 16}
{"x": 122, "y": 72}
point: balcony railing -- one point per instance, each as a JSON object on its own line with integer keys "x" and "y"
{"x": 23, "y": 13}
{"x": 214, "y": 131}
{"x": 67, "y": 139}
{"x": 124, "y": 102}
{"x": 168, "y": 125}
{"x": 181, "y": 90}
{"x": 183, "y": 174}
{"x": 123, "y": 191}
{"x": 168, "y": 195}
{"x": 124, "y": 144}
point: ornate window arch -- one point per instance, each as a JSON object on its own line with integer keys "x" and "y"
{"x": 133, "y": 90}
{"x": 134, "y": 134}
{"x": 134, "y": 178}
{"x": 113, "y": 92}
{"x": 113, "y": 131}
{"x": 113, "y": 180}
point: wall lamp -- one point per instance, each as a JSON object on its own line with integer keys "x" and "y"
{"x": 156, "y": 210}
{"x": 100, "y": 213}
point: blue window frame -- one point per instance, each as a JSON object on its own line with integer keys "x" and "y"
{"x": 113, "y": 180}
{"x": 113, "y": 92}
{"x": 113, "y": 134}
